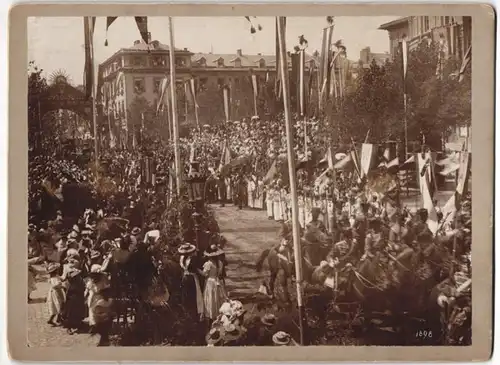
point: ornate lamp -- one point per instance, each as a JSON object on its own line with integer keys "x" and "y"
{"x": 195, "y": 183}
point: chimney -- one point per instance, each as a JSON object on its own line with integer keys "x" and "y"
{"x": 149, "y": 37}
{"x": 239, "y": 53}
{"x": 137, "y": 42}
{"x": 185, "y": 49}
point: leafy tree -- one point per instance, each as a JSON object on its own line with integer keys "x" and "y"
{"x": 37, "y": 85}
{"x": 436, "y": 101}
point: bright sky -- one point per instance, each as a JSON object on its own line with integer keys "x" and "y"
{"x": 57, "y": 43}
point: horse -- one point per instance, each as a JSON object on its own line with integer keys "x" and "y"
{"x": 401, "y": 285}
{"x": 281, "y": 263}
{"x": 316, "y": 245}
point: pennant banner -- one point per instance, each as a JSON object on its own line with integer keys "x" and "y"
{"x": 463, "y": 177}
{"x": 367, "y": 154}
{"x": 227, "y": 102}
{"x": 192, "y": 85}
{"x": 301, "y": 85}
{"x": 163, "y": 94}
{"x": 88, "y": 28}
{"x": 142, "y": 25}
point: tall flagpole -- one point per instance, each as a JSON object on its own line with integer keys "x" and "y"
{"x": 94, "y": 86}
{"x": 175, "y": 125}
{"x": 291, "y": 171}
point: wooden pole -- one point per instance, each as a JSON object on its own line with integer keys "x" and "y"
{"x": 94, "y": 109}
{"x": 173, "y": 98}
{"x": 406, "y": 146}
{"x": 292, "y": 176}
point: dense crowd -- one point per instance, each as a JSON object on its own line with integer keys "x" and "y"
{"x": 117, "y": 240}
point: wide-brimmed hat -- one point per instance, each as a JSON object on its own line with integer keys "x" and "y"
{"x": 54, "y": 266}
{"x": 72, "y": 252}
{"x": 74, "y": 272}
{"x": 213, "y": 337}
{"x": 232, "y": 332}
{"x": 315, "y": 210}
{"x": 72, "y": 234}
{"x": 135, "y": 231}
{"x": 186, "y": 249}
{"x": 213, "y": 251}
{"x": 282, "y": 338}
{"x": 95, "y": 268}
{"x": 86, "y": 232}
{"x": 269, "y": 319}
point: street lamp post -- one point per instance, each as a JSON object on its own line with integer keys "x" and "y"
{"x": 196, "y": 194}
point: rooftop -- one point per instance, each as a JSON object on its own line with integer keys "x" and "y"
{"x": 394, "y": 23}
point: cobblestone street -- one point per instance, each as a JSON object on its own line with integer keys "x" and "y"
{"x": 41, "y": 334}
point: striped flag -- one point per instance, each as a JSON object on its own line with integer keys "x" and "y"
{"x": 140, "y": 21}
{"x": 255, "y": 86}
{"x": 278, "y": 85}
{"x": 164, "y": 97}
{"x": 367, "y": 158}
{"x": 404, "y": 56}
{"x": 463, "y": 177}
{"x": 88, "y": 29}
{"x": 301, "y": 85}
{"x": 255, "y": 89}
{"x": 344, "y": 163}
{"x": 227, "y": 102}
{"x": 226, "y": 156}
{"x": 192, "y": 86}
{"x": 465, "y": 63}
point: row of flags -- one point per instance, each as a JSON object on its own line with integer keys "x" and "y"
{"x": 89, "y": 28}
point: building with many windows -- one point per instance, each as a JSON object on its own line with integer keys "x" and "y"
{"x": 455, "y": 30}
{"x": 137, "y": 72}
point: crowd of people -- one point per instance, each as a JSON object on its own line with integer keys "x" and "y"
{"x": 109, "y": 240}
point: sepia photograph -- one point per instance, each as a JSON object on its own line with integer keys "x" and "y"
{"x": 243, "y": 181}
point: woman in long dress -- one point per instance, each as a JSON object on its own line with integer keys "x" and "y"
{"x": 214, "y": 294}
{"x": 32, "y": 272}
{"x": 75, "y": 307}
{"x": 56, "y": 295}
{"x": 192, "y": 297}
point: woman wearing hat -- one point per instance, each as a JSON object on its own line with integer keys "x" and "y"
{"x": 283, "y": 339}
{"x": 74, "y": 310}
{"x": 97, "y": 281}
{"x": 56, "y": 294}
{"x": 214, "y": 294}
{"x": 267, "y": 329}
{"x": 192, "y": 297}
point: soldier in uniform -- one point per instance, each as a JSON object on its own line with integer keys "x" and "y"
{"x": 315, "y": 222}
{"x": 240, "y": 187}
{"x": 221, "y": 188}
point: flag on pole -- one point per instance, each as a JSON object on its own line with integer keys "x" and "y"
{"x": 404, "y": 56}
{"x": 140, "y": 21}
{"x": 255, "y": 89}
{"x": 271, "y": 173}
{"x": 465, "y": 63}
{"x": 226, "y": 156}
{"x": 347, "y": 161}
{"x": 463, "y": 177}
{"x": 227, "y": 102}
{"x": 278, "y": 84}
{"x": 302, "y": 91}
{"x": 255, "y": 86}
{"x": 367, "y": 158}
{"x": 88, "y": 28}
{"x": 163, "y": 94}
{"x": 192, "y": 86}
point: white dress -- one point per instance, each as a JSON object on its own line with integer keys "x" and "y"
{"x": 214, "y": 294}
